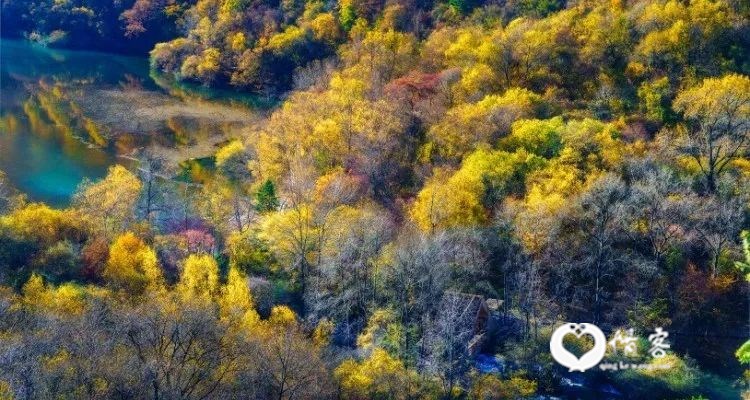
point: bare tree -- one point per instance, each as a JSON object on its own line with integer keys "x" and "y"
{"x": 291, "y": 369}
{"x": 586, "y": 255}
{"x": 420, "y": 274}
{"x": 182, "y": 355}
{"x": 447, "y": 355}
{"x": 343, "y": 288}
{"x": 658, "y": 200}
{"x": 716, "y": 222}
{"x": 529, "y": 283}
{"x": 151, "y": 171}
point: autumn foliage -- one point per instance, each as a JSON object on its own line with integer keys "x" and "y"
{"x": 548, "y": 160}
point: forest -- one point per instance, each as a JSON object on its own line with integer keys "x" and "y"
{"x": 436, "y": 186}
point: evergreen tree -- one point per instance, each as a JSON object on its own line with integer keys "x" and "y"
{"x": 265, "y": 198}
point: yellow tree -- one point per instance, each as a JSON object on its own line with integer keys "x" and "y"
{"x": 540, "y": 48}
{"x": 383, "y": 331}
{"x": 132, "y": 265}
{"x": 44, "y": 225}
{"x": 292, "y": 364}
{"x": 229, "y": 201}
{"x": 199, "y": 280}
{"x": 110, "y": 202}
{"x": 379, "y": 56}
{"x": 592, "y": 146}
{"x": 676, "y": 35}
{"x": 477, "y": 81}
{"x": 468, "y": 126}
{"x": 378, "y": 376}
{"x": 490, "y": 387}
{"x": 548, "y": 191}
{"x": 292, "y": 236}
{"x": 605, "y": 36}
{"x": 225, "y": 207}
{"x": 718, "y": 116}
{"x": 66, "y": 299}
{"x": 466, "y": 197}
{"x": 540, "y": 137}
{"x": 236, "y": 301}
{"x": 586, "y": 150}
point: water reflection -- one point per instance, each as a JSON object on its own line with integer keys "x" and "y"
{"x": 66, "y": 116}
{"x": 43, "y": 160}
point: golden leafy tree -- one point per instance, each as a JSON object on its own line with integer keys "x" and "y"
{"x": 292, "y": 237}
{"x": 376, "y": 376}
{"x": 110, "y": 203}
{"x": 540, "y": 137}
{"x": 465, "y": 197}
{"x": 66, "y": 299}
{"x": 718, "y": 113}
{"x": 44, "y": 225}
{"x": 132, "y": 265}
{"x": 199, "y": 280}
{"x": 469, "y": 126}
{"x": 490, "y": 387}
{"x": 236, "y": 301}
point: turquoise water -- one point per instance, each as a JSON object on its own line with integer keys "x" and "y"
{"x": 70, "y": 115}
{"x": 43, "y": 149}
{"x": 36, "y": 165}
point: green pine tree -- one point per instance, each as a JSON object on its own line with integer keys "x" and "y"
{"x": 265, "y": 198}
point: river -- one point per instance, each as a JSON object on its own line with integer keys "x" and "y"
{"x": 66, "y": 116}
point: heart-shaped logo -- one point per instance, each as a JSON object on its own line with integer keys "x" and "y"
{"x": 568, "y": 359}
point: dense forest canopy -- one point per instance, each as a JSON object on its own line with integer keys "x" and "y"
{"x": 560, "y": 161}
{"x": 93, "y": 24}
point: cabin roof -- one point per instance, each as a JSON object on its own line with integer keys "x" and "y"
{"x": 469, "y": 305}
